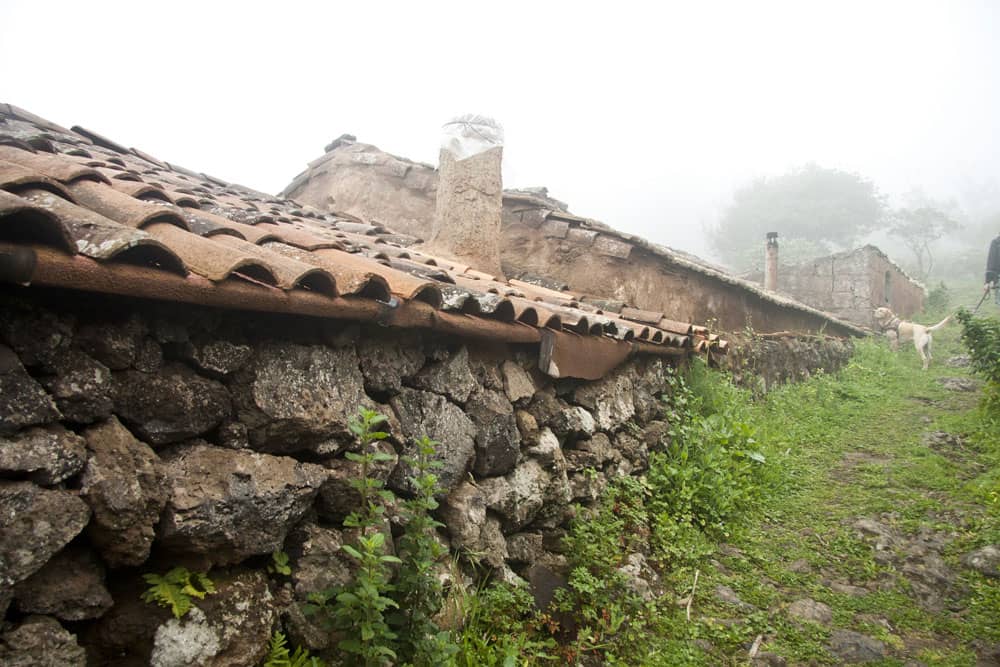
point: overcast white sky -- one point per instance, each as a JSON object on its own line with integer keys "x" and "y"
{"x": 643, "y": 115}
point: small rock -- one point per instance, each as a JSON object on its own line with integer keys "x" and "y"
{"x": 386, "y": 362}
{"x": 464, "y": 514}
{"x": 232, "y": 504}
{"x": 847, "y": 589}
{"x": 525, "y": 547}
{"x": 518, "y": 496}
{"x": 40, "y": 641}
{"x": 544, "y": 582}
{"x": 985, "y": 560}
{"x": 170, "y": 405}
{"x": 318, "y": 559}
{"x": 880, "y": 535}
{"x": 424, "y": 413}
{"x": 126, "y": 487}
{"x": 958, "y": 384}
{"x": 81, "y": 387}
{"x": 810, "y": 610}
{"x": 498, "y": 442}
{"x": 35, "y": 524}
{"x": 452, "y": 377}
{"x": 217, "y": 357}
{"x": 292, "y": 397}
{"x": 573, "y": 422}
{"x": 47, "y": 455}
{"x": 639, "y": 576}
{"x": 959, "y": 361}
{"x": 799, "y": 566}
{"x": 70, "y": 587}
{"x": 728, "y": 596}
{"x": 23, "y": 402}
{"x": 610, "y": 398}
{"x": 35, "y": 334}
{"x": 767, "y": 659}
{"x": 114, "y": 344}
{"x": 517, "y": 384}
{"x": 854, "y": 647}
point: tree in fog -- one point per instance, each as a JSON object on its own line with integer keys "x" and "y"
{"x": 813, "y": 209}
{"x": 918, "y": 229}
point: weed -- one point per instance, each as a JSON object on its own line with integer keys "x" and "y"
{"x": 279, "y": 656}
{"x": 176, "y": 588}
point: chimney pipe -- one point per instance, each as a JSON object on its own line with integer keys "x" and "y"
{"x": 771, "y": 262}
{"x": 470, "y": 194}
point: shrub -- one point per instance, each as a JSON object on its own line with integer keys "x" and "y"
{"x": 981, "y": 335}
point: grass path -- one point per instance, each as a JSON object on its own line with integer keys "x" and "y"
{"x": 887, "y": 481}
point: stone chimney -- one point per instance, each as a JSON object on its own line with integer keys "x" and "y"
{"x": 470, "y": 194}
{"x": 771, "y": 262}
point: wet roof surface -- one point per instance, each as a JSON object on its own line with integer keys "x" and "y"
{"x": 99, "y": 216}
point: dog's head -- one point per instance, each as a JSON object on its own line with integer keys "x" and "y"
{"x": 883, "y": 315}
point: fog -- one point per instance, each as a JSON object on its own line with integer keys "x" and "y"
{"x": 644, "y": 116}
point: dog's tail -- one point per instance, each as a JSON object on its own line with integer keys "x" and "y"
{"x": 939, "y": 324}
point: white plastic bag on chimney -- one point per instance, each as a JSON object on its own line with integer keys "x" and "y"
{"x": 470, "y": 135}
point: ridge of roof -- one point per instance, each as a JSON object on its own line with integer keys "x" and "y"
{"x": 80, "y": 211}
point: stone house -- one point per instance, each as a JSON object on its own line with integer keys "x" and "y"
{"x": 179, "y": 358}
{"x": 852, "y": 284}
{"x": 542, "y": 242}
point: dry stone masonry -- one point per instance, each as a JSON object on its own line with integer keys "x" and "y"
{"x": 136, "y": 437}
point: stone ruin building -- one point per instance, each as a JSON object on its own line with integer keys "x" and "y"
{"x": 851, "y": 285}
{"x": 180, "y": 356}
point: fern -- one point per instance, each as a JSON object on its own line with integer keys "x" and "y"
{"x": 176, "y": 588}
{"x": 278, "y": 655}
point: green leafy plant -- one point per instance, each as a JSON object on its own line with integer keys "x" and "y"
{"x": 503, "y": 629}
{"x": 279, "y": 656}
{"x": 360, "y": 608}
{"x": 981, "y": 335}
{"x": 176, "y": 588}
{"x": 418, "y": 591}
{"x": 279, "y": 564}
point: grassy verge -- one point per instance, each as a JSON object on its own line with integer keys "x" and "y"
{"x": 762, "y": 498}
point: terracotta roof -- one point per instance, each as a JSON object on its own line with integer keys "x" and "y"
{"x": 80, "y": 211}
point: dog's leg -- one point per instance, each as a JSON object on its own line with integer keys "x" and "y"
{"x": 893, "y": 340}
{"x": 923, "y": 344}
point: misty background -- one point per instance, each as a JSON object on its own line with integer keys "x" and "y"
{"x": 691, "y": 124}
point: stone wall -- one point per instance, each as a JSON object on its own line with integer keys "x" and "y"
{"x": 136, "y": 437}
{"x": 761, "y": 363}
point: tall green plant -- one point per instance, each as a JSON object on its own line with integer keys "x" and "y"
{"x": 418, "y": 591}
{"x": 360, "y": 609}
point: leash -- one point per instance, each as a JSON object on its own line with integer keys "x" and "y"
{"x": 986, "y": 293}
